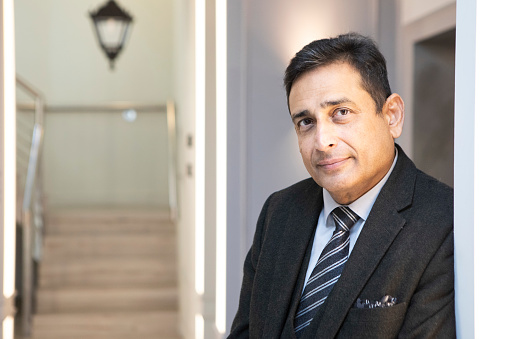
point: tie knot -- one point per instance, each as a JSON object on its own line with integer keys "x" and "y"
{"x": 344, "y": 218}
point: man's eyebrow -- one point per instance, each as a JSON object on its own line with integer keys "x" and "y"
{"x": 301, "y": 114}
{"x": 324, "y": 104}
{"x": 341, "y": 101}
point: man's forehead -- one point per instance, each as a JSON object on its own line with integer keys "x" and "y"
{"x": 324, "y": 85}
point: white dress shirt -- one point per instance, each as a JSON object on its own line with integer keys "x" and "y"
{"x": 325, "y": 227}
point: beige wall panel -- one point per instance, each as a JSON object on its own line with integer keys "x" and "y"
{"x": 101, "y": 159}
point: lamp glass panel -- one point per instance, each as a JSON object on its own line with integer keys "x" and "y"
{"x": 111, "y": 32}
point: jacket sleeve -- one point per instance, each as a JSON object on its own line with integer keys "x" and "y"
{"x": 431, "y": 310}
{"x": 240, "y": 326}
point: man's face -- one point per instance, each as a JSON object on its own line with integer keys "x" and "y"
{"x": 346, "y": 146}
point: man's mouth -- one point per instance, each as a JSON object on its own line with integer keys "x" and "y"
{"x": 330, "y": 164}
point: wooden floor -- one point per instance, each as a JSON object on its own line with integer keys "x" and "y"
{"x": 107, "y": 274}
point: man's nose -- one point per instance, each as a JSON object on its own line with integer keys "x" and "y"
{"x": 326, "y": 136}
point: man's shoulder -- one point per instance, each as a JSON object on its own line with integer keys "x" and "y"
{"x": 434, "y": 198}
{"x": 296, "y": 194}
{"x": 433, "y": 189}
{"x": 305, "y": 186}
{"x": 296, "y": 201}
{"x": 431, "y": 201}
{"x": 425, "y": 187}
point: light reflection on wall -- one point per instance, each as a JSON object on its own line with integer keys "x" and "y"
{"x": 200, "y": 147}
{"x": 301, "y": 21}
{"x": 9, "y": 162}
{"x": 221, "y": 163}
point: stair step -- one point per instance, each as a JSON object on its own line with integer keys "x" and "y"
{"x": 107, "y": 214}
{"x": 70, "y": 300}
{"x": 58, "y": 247}
{"x": 106, "y": 325}
{"x": 107, "y": 222}
{"x": 120, "y": 227}
{"x": 108, "y": 272}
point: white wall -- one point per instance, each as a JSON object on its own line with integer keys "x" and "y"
{"x": 8, "y": 171}
{"x": 92, "y": 158}
{"x": 481, "y": 183}
{"x": 100, "y": 159}
{"x": 262, "y": 147}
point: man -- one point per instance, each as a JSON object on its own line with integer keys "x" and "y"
{"x": 364, "y": 248}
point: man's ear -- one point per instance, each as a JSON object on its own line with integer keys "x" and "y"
{"x": 394, "y": 113}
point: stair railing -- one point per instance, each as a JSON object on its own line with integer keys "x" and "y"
{"x": 30, "y": 211}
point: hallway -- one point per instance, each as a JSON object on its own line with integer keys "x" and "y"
{"x": 107, "y": 273}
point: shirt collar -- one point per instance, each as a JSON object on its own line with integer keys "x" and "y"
{"x": 362, "y": 206}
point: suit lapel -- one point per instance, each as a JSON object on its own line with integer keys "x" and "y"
{"x": 383, "y": 225}
{"x": 297, "y": 233}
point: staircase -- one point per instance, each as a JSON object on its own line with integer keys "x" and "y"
{"x": 107, "y": 274}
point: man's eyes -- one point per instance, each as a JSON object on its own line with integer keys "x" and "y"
{"x": 337, "y": 113}
{"x": 341, "y": 111}
{"x": 304, "y": 122}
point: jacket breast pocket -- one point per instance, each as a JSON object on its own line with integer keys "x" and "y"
{"x": 373, "y": 322}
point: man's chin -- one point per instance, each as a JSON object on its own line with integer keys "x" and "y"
{"x": 334, "y": 184}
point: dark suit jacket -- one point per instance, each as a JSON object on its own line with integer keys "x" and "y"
{"x": 405, "y": 250}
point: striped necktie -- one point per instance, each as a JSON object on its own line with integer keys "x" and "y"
{"x": 327, "y": 270}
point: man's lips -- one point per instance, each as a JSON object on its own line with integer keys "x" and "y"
{"x": 331, "y": 163}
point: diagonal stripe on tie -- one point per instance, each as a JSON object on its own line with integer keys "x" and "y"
{"x": 328, "y": 269}
{"x": 325, "y": 256}
{"x": 311, "y": 307}
{"x": 318, "y": 289}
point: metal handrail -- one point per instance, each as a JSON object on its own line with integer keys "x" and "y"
{"x": 102, "y": 108}
{"x": 31, "y": 209}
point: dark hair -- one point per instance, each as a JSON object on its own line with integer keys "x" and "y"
{"x": 357, "y": 50}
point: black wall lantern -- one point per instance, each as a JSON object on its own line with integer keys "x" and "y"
{"x": 111, "y": 26}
